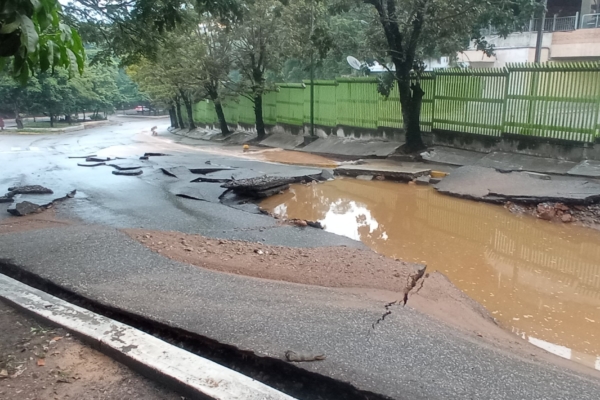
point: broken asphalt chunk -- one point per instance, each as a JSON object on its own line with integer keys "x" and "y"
{"x": 97, "y": 159}
{"x": 128, "y": 172}
{"x": 29, "y": 189}
{"x": 6, "y": 199}
{"x": 203, "y": 171}
{"x": 260, "y": 187}
{"x": 211, "y": 180}
{"x": 155, "y": 154}
{"x": 327, "y": 174}
{"x": 125, "y": 167}
{"x": 168, "y": 173}
{"x": 23, "y": 208}
{"x": 91, "y": 155}
{"x": 96, "y": 164}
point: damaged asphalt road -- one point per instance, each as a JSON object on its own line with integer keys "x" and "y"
{"x": 409, "y": 356}
{"x": 491, "y": 185}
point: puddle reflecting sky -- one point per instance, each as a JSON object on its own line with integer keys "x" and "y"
{"x": 540, "y": 280}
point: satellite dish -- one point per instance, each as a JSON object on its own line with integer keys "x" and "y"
{"x": 354, "y": 63}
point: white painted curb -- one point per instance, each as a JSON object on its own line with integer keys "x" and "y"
{"x": 187, "y": 372}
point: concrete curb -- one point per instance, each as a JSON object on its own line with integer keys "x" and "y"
{"x": 184, "y": 371}
{"x": 46, "y": 131}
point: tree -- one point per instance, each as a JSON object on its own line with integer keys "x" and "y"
{"x": 209, "y": 45}
{"x": 260, "y": 41}
{"x": 155, "y": 80}
{"x": 33, "y": 36}
{"x": 57, "y": 93}
{"x": 16, "y": 98}
{"x": 409, "y": 29}
{"x": 134, "y": 29}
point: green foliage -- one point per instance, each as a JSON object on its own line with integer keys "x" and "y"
{"x": 33, "y": 36}
{"x": 99, "y": 88}
{"x": 132, "y": 30}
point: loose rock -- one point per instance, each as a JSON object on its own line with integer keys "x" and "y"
{"x": 567, "y": 218}
{"x": 546, "y": 211}
{"x": 23, "y": 208}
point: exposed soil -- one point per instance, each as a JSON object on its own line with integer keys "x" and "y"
{"x": 338, "y": 267}
{"x": 42, "y": 220}
{"x": 586, "y": 215}
{"x": 359, "y": 271}
{"x": 324, "y": 266}
{"x": 41, "y": 362}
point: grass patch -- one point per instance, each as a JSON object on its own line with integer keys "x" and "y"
{"x": 45, "y": 124}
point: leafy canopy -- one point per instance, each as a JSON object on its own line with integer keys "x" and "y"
{"x": 33, "y": 36}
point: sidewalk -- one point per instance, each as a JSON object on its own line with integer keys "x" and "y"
{"x": 506, "y": 162}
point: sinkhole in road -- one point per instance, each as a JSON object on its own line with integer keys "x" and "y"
{"x": 540, "y": 280}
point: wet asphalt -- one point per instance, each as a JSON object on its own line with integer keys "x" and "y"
{"x": 410, "y": 356}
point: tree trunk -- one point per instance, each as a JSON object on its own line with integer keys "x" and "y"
{"x": 221, "y": 116}
{"x": 258, "y": 114}
{"x": 18, "y": 120}
{"x": 411, "y": 99}
{"x": 51, "y": 120}
{"x": 173, "y": 115}
{"x": 190, "y": 111}
{"x": 179, "y": 116}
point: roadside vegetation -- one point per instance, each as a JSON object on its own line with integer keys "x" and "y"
{"x": 181, "y": 52}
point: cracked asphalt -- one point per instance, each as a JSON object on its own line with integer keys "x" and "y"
{"x": 409, "y": 356}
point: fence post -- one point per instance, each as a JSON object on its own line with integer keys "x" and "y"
{"x": 577, "y": 20}
{"x": 434, "y": 74}
{"x": 554, "y": 23}
{"x": 505, "y": 105}
{"x": 531, "y": 22}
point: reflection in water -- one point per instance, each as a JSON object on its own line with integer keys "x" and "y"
{"x": 541, "y": 280}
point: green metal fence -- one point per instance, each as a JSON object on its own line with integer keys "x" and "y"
{"x": 290, "y": 104}
{"x": 552, "y": 100}
{"x": 470, "y": 101}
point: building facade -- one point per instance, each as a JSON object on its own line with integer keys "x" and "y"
{"x": 571, "y": 33}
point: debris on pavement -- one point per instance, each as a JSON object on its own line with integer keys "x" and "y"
{"x": 293, "y": 356}
{"x": 128, "y": 172}
{"x": 89, "y": 156}
{"x": 98, "y": 159}
{"x": 91, "y": 164}
{"x": 125, "y": 166}
{"x": 202, "y": 171}
{"x": 155, "y": 155}
{"x": 23, "y": 208}
{"x": 30, "y": 189}
{"x": 260, "y": 187}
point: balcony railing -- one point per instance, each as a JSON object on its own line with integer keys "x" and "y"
{"x": 554, "y": 24}
{"x": 590, "y": 21}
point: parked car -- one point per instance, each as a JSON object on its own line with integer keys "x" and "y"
{"x": 142, "y": 109}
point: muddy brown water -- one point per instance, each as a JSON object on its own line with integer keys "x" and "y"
{"x": 541, "y": 280}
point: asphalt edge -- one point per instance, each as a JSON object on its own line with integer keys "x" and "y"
{"x": 185, "y": 372}
{"x": 222, "y": 353}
